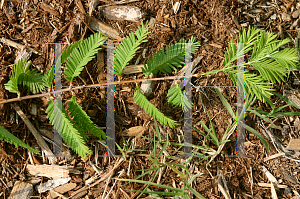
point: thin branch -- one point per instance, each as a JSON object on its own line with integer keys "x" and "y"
{"x": 95, "y": 85}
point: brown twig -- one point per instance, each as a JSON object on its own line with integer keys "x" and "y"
{"x": 94, "y": 85}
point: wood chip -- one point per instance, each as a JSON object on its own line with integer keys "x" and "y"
{"x": 273, "y": 192}
{"x": 51, "y": 184}
{"x": 123, "y": 13}
{"x": 216, "y": 45}
{"x": 49, "y": 9}
{"x": 148, "y": 86}
{"x": 269, "y": 175}
{"x": 133, "y": 69}
{"x": 133, "y": 131}
{"x": 49, "y": 171}
{"x": 23, "y": 53}
{"x": 21, "y": 190}
{"x": 296, "y": 14}
{"x": 28, "y": 28}
{"x": 297, "y": 123}
{"x": 61, "y": 189}
{"x": 107, "y": 30}
{"x": 294, "y": 145}
{"x": 273, "y": 156}
{"x": 281, "y": 186}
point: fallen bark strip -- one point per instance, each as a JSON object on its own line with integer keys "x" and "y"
{"x": 16, "y": 45}
{"x": 40, "y": 141}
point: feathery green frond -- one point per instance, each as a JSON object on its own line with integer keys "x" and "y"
{"x": 177, "y": 97}
{"x": 254, "y": 82}
{"x": 245, "y": 42}
{"x": 10, "y": 138}
{"x": 82, "y": 54}
{"x": 48, "y": 79}
{"x": 149, "y": 108}
{"x": 19, "y": 68}
{"x": 272, "y": 64}
{"x": 83, "y": 120}
{"x": 170, "y": 60}
{"x": 128, "y": 47}
{"x": 69, "y": 131}
{"x": 33, "y": 80}
{"x": 21, "y": 74}
{"x": 68, "y": 50}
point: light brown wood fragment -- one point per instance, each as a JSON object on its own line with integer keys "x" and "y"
{"x": 273, "y": 192}
{"x": 281, "y": 186}
{"x": 80, "y": 194}
{"x": 21, "y": 190}
{"x": 107, "y": 30}
{"x": 133, "y": 131}
{"x": 51, "y": 184}
{"x": 269, "y": 175}
{"x": 294, "y": 145}
{"x": 123, "y": 13}
{"x": 132, "y": 69}
{"x": 49, "y": 171}
{"x": 61, "y": 190}
{"x": 23, "y": 53}
{"x": 273, "y": 156}
{"x": 49, "y": 9}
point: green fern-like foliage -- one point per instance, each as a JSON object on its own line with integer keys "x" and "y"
{"x": 48, "y": 78}
{"x": 149, "y": 108}
{"x": 83, "y": 120}
{"x": 272, "y": 64}
{"x": 177, "y": 97}
{"x": 128, "y": 47}
{"x": 256, "y": 82}
{"x": 81, "y": 54}
{"x": 10, "y": 138}
{"x": 70, "y": 132}
{"x": 171, "y": 59}
{"x": 21, "y": 74}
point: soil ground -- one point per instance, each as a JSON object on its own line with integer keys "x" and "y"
{"x": 213, "y": 23}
